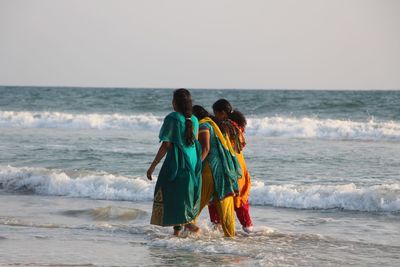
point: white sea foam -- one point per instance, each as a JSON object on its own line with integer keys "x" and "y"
{"x": 385, "y": 197}
{"x": 97, "y": 185}
{"x": 26, "y": 119}
{"x": 328, "y": 128}
{"x": 289, "y": 127}
{"x": 376, "y": 198}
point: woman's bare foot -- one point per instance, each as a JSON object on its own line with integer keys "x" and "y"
{"x": 248, "y": 229}
{"x": 217, "y": 227}
{"x": 192, "y": 228}
{"x": 177, "y": 232}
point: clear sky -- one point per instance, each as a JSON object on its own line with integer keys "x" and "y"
{"x": 308, "y": 44}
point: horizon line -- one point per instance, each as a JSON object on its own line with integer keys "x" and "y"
{"x": 201, "y": 88}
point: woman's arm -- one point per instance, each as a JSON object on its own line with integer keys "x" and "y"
{"x": 204, "y": 139}
{"x": 160, "y": 154}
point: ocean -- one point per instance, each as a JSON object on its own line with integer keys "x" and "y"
{"x": 325, "y": 168}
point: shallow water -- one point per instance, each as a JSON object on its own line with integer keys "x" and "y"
{"x": 49, "y": 230}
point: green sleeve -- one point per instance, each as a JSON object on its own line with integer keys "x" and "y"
{"x": 170, "y": 131}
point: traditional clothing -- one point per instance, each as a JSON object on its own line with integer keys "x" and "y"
{"x": 241, "y": 201}
{"x": 178, "y": 188}
{"x": 220, "y": 173}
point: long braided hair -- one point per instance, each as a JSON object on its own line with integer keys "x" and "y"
{"x": 183, "y": 104}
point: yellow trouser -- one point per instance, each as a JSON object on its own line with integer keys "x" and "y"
{"x": 225, "y": 207}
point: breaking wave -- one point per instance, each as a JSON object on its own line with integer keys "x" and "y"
{"x": 377, "y": 198}
{"x": 288, "y": 127}
{"x": 324, "y": 129}
{"x": 96, "y": 185}
{"x": 26, "y": 119}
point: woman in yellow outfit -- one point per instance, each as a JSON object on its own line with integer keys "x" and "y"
{"x": 220, "y": 170}
{"x": 234, "y": 123}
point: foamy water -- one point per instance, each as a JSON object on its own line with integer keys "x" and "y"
{"x": 97, "y": 185}
{"x": 61, "y": 228}
{"x": 385, "y": 197}
{"x": 377, "y": 198}
{"x": 277, "y": 126}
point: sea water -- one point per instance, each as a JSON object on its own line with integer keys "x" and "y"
{"x": 325, "y": 168}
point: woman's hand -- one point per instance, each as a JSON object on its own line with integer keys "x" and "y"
{"x": 150, "y": 172}
{"x": 160, "y": 154}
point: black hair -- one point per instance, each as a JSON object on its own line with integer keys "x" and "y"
{"x": 200, "y": 112}
{"x": 223, "y": 105}
{"x": 183, "y": 104}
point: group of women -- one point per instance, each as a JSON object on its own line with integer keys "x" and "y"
{"x": 204, "y": 166}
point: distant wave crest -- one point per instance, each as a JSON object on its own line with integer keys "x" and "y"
{"x": 324, "y": 128}
{"x": 377, "y": 198}
{"x": 26, "y": 119}
{"x": 94, "y": 185}
{"x": 289, "y": 127}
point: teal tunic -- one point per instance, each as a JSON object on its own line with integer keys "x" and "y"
{"x": 178, "y": 188}
{"x": 225, "y": 167}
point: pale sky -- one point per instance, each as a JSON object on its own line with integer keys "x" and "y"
{"x": 282, "y": 44}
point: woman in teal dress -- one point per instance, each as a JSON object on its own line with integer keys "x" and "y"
{"x": 178, "y": 188}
